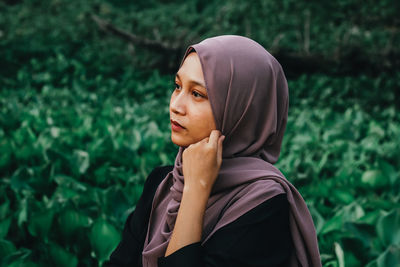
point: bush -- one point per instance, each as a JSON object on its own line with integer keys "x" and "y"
{"x": 84, "y": 119}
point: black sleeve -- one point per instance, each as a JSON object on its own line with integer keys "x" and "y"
{"x": 129, "y": 250}
{"x": 261, "y": 237}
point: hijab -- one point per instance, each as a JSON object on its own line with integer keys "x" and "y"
{"x": 248, "y": 93}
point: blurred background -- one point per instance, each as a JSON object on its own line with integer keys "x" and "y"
{"x": 84, "y": 93}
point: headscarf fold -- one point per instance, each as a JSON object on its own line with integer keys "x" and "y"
{"x": 248, "y": 93}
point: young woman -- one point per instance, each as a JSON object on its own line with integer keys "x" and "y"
{"x": 223, "y": 203}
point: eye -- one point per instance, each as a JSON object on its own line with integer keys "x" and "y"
{"x": 177, "y": 86}
{"x": 196, "y": 94}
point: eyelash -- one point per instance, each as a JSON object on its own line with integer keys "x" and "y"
{"x": 194, "y": 92}
{"x": 176, "y": 85}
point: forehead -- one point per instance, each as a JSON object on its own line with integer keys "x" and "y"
{"x": 191, "y": 68}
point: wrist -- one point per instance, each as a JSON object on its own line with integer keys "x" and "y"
{"x": 197, "y": 190}
{"x": 199, "y": 184}
{"x": 195, "y": 194}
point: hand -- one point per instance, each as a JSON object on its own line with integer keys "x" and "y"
{"x": 201, "y": 163}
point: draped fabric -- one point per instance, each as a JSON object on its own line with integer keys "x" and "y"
{"x": 248, "y": 93}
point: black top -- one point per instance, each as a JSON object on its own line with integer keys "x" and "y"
{"x": 260, "y": 237}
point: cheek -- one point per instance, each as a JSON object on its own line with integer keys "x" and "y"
{"x": 204, "y": 119}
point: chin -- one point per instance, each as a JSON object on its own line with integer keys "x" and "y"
{"x": 183, "y": 141}
{"x": 179, "y": 142}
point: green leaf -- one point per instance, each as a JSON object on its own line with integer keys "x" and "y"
{"x": 64, "y": 193}
{"x": 350, "y": 259}
{"x": 357, "y": 238}
{"x": 343, "y": 196}
{"x": 133, "y": 140}
{"x": 374, "y": 179}
{"x": 23, "y": 212}
{"x": 19, "y": 258}
{"x": 20, "y": 180}
{"x": 388, "y": 170}
{"x": 372, "y": 264}
{"x": 62, "y": 257}
{"x": 317, "y": 218}
{"x": 4, "y": 208}
{"x": 39, "y": 224}
{"x": 351, "y": 212}
{"x": 116, "y": 203}
{"x": 339, "y": 254}
{"x": 80, "y": 161}
{"x": 5, "y": 226}
{"x": 5, "y": 152}
{"x": 388, "y": 228}
{"x": 71, "y": 220}
{"x": 335, "y": 223}
{"x": 391, "y": 257}
{"x": 371, "y": 217}
{"x": 376, "y": 130}
{"x": 101, "y": 175}
{"x": 69, "y": 182}
{"x": 104, "y": 238}
{"x": 6, "y": 248}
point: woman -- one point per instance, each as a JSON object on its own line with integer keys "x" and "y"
{"x": 223, "y": 203}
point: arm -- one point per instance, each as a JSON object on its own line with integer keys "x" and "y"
{"x": 189, "y": 221}
{"x": 201, "y": 162}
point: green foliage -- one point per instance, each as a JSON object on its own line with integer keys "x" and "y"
{"x": 104, "y": 238}
{"x": 84, "y": 119}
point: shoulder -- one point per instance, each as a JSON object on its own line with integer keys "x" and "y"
{"x": 260, "y": 237}
{"x": 255, "y": 203}
{"x": 268, "y": 217}
{"x": 266, "y": 211}
{"x": 255, "y": 193}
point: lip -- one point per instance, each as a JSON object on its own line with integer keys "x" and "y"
{"x": 176, "y": 126}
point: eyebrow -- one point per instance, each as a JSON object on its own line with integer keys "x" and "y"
{"x": 193, "y": 81}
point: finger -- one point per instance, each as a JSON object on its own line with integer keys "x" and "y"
{"x": 215, "y": 134}
{"x": 219, "y": 152}
{"x": 204, "y": 140}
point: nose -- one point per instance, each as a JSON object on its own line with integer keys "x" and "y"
{"x": 178, "y": 103}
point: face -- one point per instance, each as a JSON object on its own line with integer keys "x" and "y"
{"x": 189, "y": 105}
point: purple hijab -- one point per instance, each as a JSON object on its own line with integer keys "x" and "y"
{"x": 249, "y": 98}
